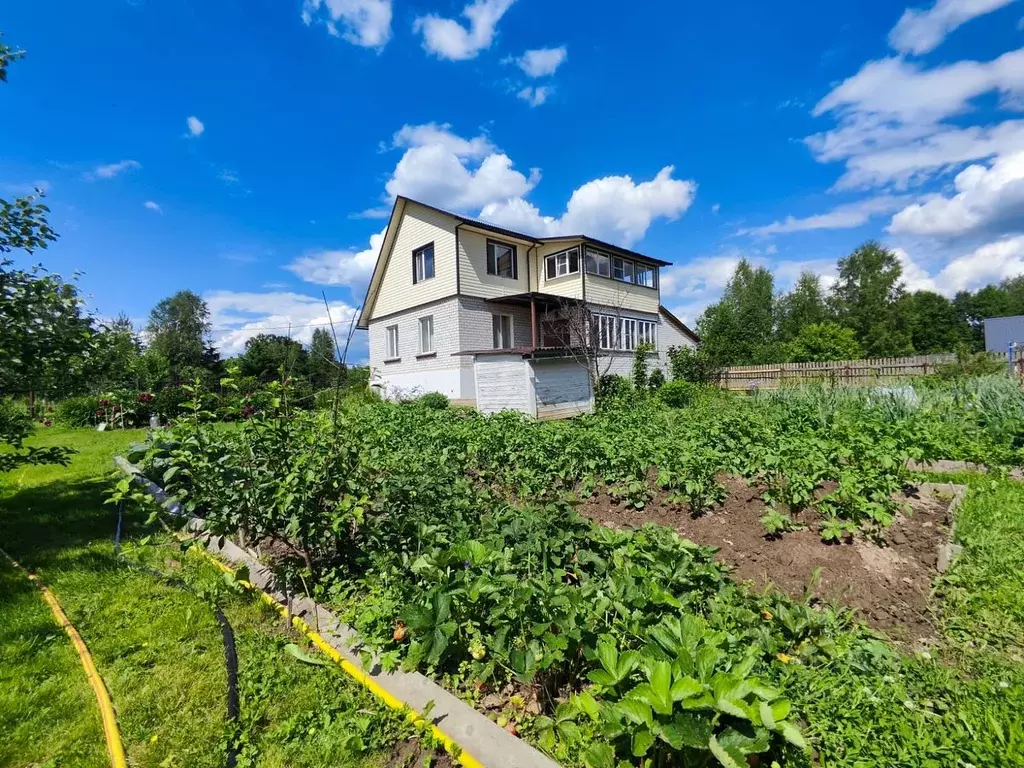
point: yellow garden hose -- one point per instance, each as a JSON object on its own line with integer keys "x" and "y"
{"x": 114, "y": 746}
{"x": 360, "y": 676}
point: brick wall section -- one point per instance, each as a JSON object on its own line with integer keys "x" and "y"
{"x": 446, "y": 338}
{"x": 475, "y": 327}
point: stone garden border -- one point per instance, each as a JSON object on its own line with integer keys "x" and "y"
{"x": 949, "y": 550}
{"x": 483, "y": 741}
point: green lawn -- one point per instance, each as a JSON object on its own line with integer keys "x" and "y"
{"x": 157, "y": 646}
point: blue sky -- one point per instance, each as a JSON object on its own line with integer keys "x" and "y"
{"x": 247, "y": 149}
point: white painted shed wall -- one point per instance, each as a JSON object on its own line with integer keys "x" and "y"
{"x": 503, "y": 383}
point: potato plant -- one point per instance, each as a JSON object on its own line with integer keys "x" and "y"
{"x": 450, "y": 542}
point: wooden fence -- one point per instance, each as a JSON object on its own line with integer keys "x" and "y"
{"x": 878, "y": 370}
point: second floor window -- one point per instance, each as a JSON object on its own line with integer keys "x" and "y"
{"x": 501, "y": 329}
{"x": 423, "y": 263}
{"x": 426, "y": 334}
{"x": 392, "y": 342}
{"x": 562, "y": 264}
{"x": 501, "y": 260}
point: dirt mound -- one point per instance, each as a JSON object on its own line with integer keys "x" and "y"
{"x": 888, "y": 583}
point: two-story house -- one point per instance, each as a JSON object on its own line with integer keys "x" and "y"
{"x": 485, "y": 315}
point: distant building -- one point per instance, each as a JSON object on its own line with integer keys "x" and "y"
{"x": 1000, "y": 331}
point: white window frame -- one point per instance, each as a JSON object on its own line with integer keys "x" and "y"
{"x": 493, "y": 264}
{"x": 625, "y": 334}
{"x": 419, "y": 264}
{"x": 427, "y": 335}
{"x": 563, "y": 264}
{"x": 598, "y": 263}
{"x": 391, "y": 343}
{"x": 498, "y": 331}
{"x": 651, "y": 272}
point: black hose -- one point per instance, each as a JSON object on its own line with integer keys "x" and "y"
{"x": 227, "y": 634}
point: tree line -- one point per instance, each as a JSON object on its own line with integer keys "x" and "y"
{"x": 867, "y": 312}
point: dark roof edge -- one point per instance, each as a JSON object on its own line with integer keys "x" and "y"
{"x": 679, "y": 323}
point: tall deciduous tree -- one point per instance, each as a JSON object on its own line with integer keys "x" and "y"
{"x": 8, "y": 56}
{"x": 933, "y": 322}
{"x": 323, "y": 364}
{"x": 179, "y": 329}
{"x": 740, "y": 328}
{"x": 804, "y": 305}
{"x": 866, "y": 298}
{"x": 266, "y": 354}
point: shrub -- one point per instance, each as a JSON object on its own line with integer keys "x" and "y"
{"x": 679, "y": 394}
{"x": 656, "y": 380}
{"x": 640, "y": 366}
{"x": 693, "y": 365}
{"x": 968, "y": 363}
{"x": 77, "y": 411}
{"x": 434, "y": 400}
{"x": 14, "y": 418}
{"x": 167, "y": 402}
{"x": 612, "y": 387}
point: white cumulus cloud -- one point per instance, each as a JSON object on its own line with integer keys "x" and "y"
{"x": 986, "y": 198}
{"x": 613, "y": 208}
{"x": 443, "y": 169}
{"x": 340, "y": 267}
{"x": 111, "y": 170}
{"x": 195, "y": 126}
{"x": 448, "y": 39}
{"x": 893, "y": 119}
{"x": 542, "y": 62}
{"x": 920, "y": 31}
{"x": 238, "y": 316}
{"x": 535, "y": 96}
{"x": 366, "y": 23}
{"x": 989, "y": 263}
{"x": 846, "y": 216}
{"x": 150, "y": 205}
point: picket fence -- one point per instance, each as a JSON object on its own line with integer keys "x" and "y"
{"x": 876, "y": 370}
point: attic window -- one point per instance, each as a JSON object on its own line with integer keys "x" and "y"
{"x": 423, "y": 263}
{"x": 501, "y": 260}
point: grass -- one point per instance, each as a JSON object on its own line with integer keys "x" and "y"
{"x": 157, "y": 646}
{"x": 960, "y": 702}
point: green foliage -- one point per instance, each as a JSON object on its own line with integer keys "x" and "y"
{"x": 8, "y": 56}
{"x": 969, "y": 363}
{"x": 741, "y": 326}
{"x": 178, "y": 329}
{"x": 15, "y": 427}
{"x": 679, "y": 394}
{"x": 823, "y": 342}
{"x": 433, "y": 400}
{"x": 694, "y": 365}
{"x": 323, "y": 367}
{"x": 656, "y": 380}
{"x": 77, "y": 411}
{"x": 640, "y": 380}
{"x": 866, "y": 297}
{"x": 268, "y": 357}
{"x": 804, "y": 305}
{"x": 933, "y": 321}
{"x": 776, "y": 523}
{"x": 612, "y": 388}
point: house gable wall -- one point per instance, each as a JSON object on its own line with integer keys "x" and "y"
{"x": 418, "y": 226}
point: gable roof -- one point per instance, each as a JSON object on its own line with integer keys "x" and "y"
{"x": 398, "y": 210}
{"x": 683, "y": 327}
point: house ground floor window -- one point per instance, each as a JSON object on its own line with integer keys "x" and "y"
{"x": 426, "y": 334}
{"x": 625, "y": 333}
{"x": 501, "y": 330}
{"x": 392, "y": 342}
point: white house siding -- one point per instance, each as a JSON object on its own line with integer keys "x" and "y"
{"x": 473, "y": 277}
{"x": 476, "y": 331}
{"x": 418, "y": 227}
{"x": 413, "y": 373}
{"x": 570, "y": 286}
{"x": 503, "y": 383}
{"x": 615, "y": 293}
{"x": 670, "y": 336}
{"x": 562, "y": 388}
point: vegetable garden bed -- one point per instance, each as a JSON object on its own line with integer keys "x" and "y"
{"x": 887, "y": 580}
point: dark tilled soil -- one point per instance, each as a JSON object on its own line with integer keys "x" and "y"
{"x": 410, "y": 754}
{"x": 887, "y": 584}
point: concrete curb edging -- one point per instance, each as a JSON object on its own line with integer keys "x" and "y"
{"x": 489, "y": 745}
{"x": 948, "y": 550}
{"x": 949, "y": 466}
